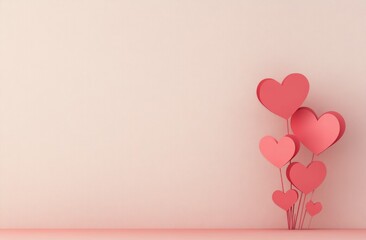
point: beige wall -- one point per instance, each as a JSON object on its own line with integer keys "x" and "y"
{"x": 144, "y": 114}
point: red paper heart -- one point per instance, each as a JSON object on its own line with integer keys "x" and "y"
{"x": 285, "y": 200}
{"x": 279, "y": 153}
{"x": 342, "y": 124}
{"x": 317, "y": 134}
{"x": 283, "y": 99}
{"x": 306, "y": 179}
{"x": 313, "y": 208}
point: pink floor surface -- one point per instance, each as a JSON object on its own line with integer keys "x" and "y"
{"x": 179, "y": 234}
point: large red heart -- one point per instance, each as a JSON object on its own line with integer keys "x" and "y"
{"x": 306, "y": 179}
{"x": 283, "y": 99}
{"x": 313, "y": 208}
{"x": 317, "y": 134}
{"x": 279, "y": 153}
{"x": 285, "y": 200}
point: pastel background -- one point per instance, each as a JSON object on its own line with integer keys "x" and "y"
{"x": 143, "y": 114}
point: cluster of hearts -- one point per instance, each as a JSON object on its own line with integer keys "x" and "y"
{"x": 315, "y": 133}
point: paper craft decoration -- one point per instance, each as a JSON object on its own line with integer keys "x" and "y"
{"x": 279, "y": 152}
{"x": 306, "y": 179}
{"x": 283, "y": 99}
{"x": 285, "y": 200}
{"x": 317, "y": 134}
{"x": 313, "y": 208}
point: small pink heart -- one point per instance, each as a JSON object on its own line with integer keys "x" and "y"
{"x": 317, "y": 134}
{"x": 285, "y": 200}
{"x": 283, "y": 99}
{"x": 306, "y": 179}
{"x": 279, "y": 153}
{"x": 313, "y": 208}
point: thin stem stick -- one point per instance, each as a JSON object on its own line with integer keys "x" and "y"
{"x": 303, "y": 220}
{"x": 298, "y": 208}
{"x": 292, "y": 214}
{"x": 302, "y": 211}
{"x": 312, "y": 159}
{"x": 283, "y": 189}
{"x": 292, "y": 210}
{"x": 291, "y": 218}
{"x": 311, "y": 218}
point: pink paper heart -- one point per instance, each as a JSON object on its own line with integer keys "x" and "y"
{"x": 279, "y": 153}
{"x": 288, "y": 170}
{"x": 285, "y": 200}
{"x": 342, "y": 124}
{"x": 317, "y": 134}
{"x": 306, "y": 179}
{"x": 313, "y": 208}
{"x": 283, "y": 99}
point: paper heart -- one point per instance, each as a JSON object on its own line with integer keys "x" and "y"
{"x": 285, "y": 200}
{"x": 288, "y": 170}
{"x": 317, "y": 134}
{"x": 279, "y": 152}
{"x": 313, "y": 208}
{"x": 283, "y": 99}
{"x": 306, "y": 179}
{"x": 341, "y": 122}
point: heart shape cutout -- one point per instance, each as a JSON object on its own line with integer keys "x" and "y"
{"x": 279, "y": 152}
{"x": 317, "y": 134}
{"x": 313, "y": 208}
{"x": 285, "y": 200}
{"x": 306, "y": 179}
{"x": 285, "y": 98}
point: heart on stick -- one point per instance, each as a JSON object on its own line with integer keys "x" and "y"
{"x": 317, "y": 134}
{"x": 313, "y": 208}
{"x": 283, "y": 99}
{"x": 306, "y": 179}
{"x": 285, "y": 200}
{"x": 279, "y": 152}
{"x": 342, "y": 124}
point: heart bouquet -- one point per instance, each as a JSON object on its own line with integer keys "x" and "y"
{"x": 315, "y": 133}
